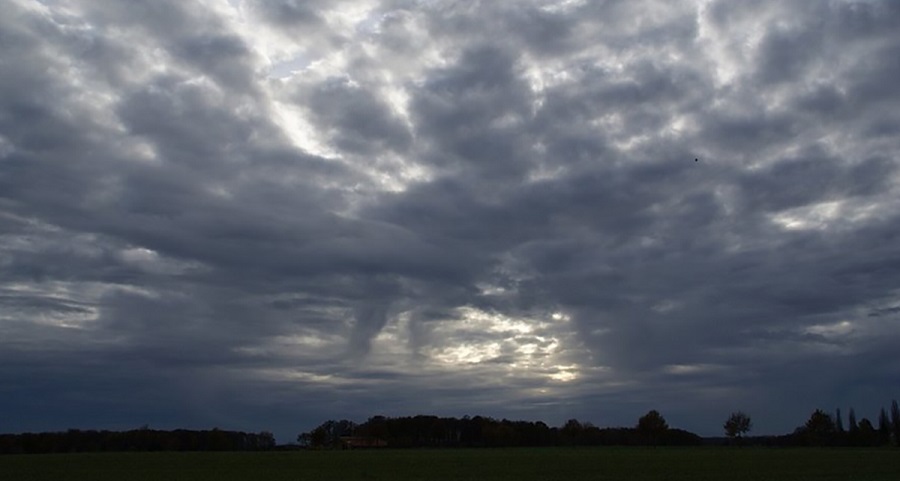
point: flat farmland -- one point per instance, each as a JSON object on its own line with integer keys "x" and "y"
{"x": 468, "y": 464}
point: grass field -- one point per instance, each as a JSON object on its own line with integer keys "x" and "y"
{"x": 474, "y": 464}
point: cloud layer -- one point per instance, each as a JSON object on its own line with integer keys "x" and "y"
{"x": 259, "y": 215}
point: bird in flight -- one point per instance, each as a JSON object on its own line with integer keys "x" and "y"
{"x": 696, "y": 160}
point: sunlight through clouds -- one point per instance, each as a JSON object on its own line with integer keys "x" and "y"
{"x": 504, "y": 345}
{"x": 826, "y": 215}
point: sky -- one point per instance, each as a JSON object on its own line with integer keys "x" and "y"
{"x": 260, "y": 215}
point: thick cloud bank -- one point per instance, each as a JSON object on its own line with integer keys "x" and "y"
{"x": 261, "y": 214}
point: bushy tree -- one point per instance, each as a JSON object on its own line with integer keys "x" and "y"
{"x": 819, "y": 429}
{"x": 867, "y": 435}
{"x": 328, "y": 434}
{"x": 652, "y": 421}
{"x": 652, "y": 427}
{"x": 572, "y": 432}
{"x": 737, "y": 425}
{"x": 318, "y": 437}
{"x": 264, "y": 440}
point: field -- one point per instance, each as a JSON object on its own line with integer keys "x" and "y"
{"x": 474, "y": 464}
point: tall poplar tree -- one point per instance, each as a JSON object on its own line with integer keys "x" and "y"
{"x": 838, "y": 421}
{"x": 895, "y": 421}
{"x": 884, "y": 428}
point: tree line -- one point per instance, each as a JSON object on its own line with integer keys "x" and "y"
{"x": 448, "y": 432}
{"x": 823, "y": 429}
{"x": 144, "y": 439}
{"x": 651, "y": 429}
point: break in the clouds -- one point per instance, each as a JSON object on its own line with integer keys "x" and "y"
{"x": 263, "y": 214}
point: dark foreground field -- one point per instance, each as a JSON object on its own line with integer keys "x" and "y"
{"x": 474, "y": 464}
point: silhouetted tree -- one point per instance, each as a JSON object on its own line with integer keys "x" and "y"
{"x": 571, "y": 432}
{"x": 499, "y": 434}
{"x": 737, "y": 425}
{"x": 819, "y": 430}
{"x": 895, "y": 421}
{"x": 838, "y": 421}
{"x": 680, "y": 437}
{"x": 144, "y": 439}
{"x": 867, "y": 435}
{"x": 264, "y": 440}
{"x": 318, "y": 437}
{"x": 851, "y": 422}
{"x": 328, "y": 434}
{"x": 375, "y": 427}
{"x": 651, "y": 427}
{"x": 884, "y": 428}
{"x": 478, "y": 431}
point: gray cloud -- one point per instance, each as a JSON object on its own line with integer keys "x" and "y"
{"x": 259, "y": 215}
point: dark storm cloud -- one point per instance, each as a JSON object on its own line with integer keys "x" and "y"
{"x": 458, "y": 110}
{"x": 492, "y": 210}
{"x": 290, "y": 14}
{"x": 362, "y": 122}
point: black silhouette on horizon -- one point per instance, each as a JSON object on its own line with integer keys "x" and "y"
{"x": 821, "y": 429}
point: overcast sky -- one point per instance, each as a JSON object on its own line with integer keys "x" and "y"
{"x": 264, "y": 214}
